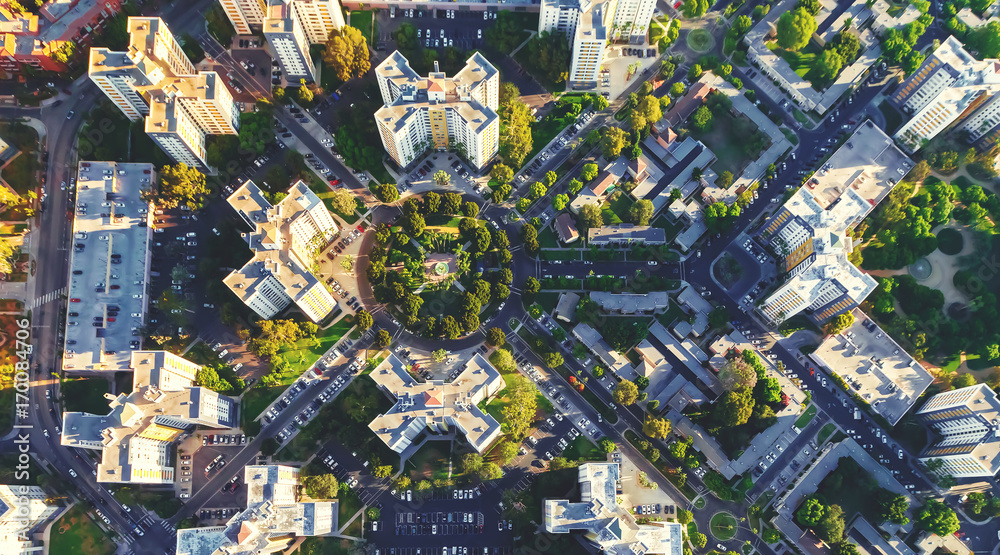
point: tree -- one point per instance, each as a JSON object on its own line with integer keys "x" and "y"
{"x": 256, "y": 129}
{"x": 574, "y": 186}
{"x": 519, "y": 413}
{"x": 795, "y": 28}
{"x": 667, "y": 69}
{"x": 938, "y": 518}
{"x": 694, "y": 8}
{"x": 613, "y": 141}
{"x": 742, "y": 24}
{"x": 771, "y": 535}
{"x": 607, "y": 445}
{"x": 515, "y": 128}
{"x": 725, "y": 179}
{"x": 553, "y": 359}
{"x": 677, "y": 89}
{"x": 893, "y": 507}
{"x": 322, "y": 486}
{"x": 506, "y": 451}
{"x": 591, "y": 216}
{"x": 920, "y": 171}
{"x": 490, "y": 471}
{"x": 180, "y": 185}
{"x": 811, "y": 6}
{"x": 846, "y": 44}
{"x": 843, "y": 547}
{"x": 684, "y": 517}
{"x": 811, "y": 512}
{"x": 304, "y": 94}
{"x": 734, "y": 407}
{"x": 839, "y": 323}
{"x": 439, "y": 355}
{"x": 346, "y": 53}
{"x": 695, "y": 72}
{"x": 382, "y": 339}
{"x": 471, "y": 462}
{"x": 549, "y": 54}
{"x": 501, "y": 192}
{"x": 559, "y": 202}
{"x": 737, "y": 374}
{"x": 656, "y": 428}
{"x": 373, "y": 513}
{"x": 588, "y": 172}
{"x": 829, "y": 64}
{"x": 496, "y": 337}
{"x": 342, "y": 201}
{"x": 625, "y": 393}
{"x": 702, "y": 118}
{"x": 505, "y": 33}
{"x": 442, "y": 178}
{"x": 503, "y": 361}
{"x": 502, "y": 173}
{"x": 385, "y": 192}
{"x": 830, "y": 528}
{"x": 963, "y": 380}
{"x": 699, "y": 540}
{"x": 537, "y": 190}
{"x": 600, "y": 103}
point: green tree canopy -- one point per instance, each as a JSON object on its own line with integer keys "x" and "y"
{"x": 938, "y": 518}
{"x": 625, "y": 393}
{"x": 346, "y": 53}
{"x": 796, "y": 28}
{"x": 179, "y": 185}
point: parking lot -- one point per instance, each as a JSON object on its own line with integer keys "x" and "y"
{"x": 438, "y": 29}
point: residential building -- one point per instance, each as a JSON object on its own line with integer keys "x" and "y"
{"x": 950, "y": 89}
{"x": 247, "y": 16}
{"x": 136, "y": 438}
{"x": 966, "y": 422}
{"x": 276, "y": 515}
{"x": 588, "y": 46}
{"x": 23, "y": 509}
{"x": 292, "y": 26}
{"x": 435, "y": 408}
{"x": 612, "y": 528}
{"x": 691, "y": 101}
{"x": 283, "y": 239}
{"x": 693, "y": 216}
{"x": 595, "y": 343}
{"x": 626, "y": 234}
{"x": 566, "y": 228}
{"x": 632, "y": 19}
{"x": 40, "y": 40}
{"x": 628, "y": 304}
{"x": 155, "y": 79}
{"x": 110, "y": 267}
{"x": 809, "y": 235}
{"x": 438, "y": 112}
{"x": 566, "y": 307}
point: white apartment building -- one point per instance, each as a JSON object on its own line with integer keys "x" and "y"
{"x": 438, "y": 112}
{"x": 967, "y": 422}
{"x": 951, "y": 88}
{"x": 136, "y": 438}
{"x": 632, "y": 19}
{"x": 22, "y": 510}
{"x": 283, "y": 239}
{"x": 292, "y": 26}
{"x": 155, "y": 79}
{"x": 246, "y": 16}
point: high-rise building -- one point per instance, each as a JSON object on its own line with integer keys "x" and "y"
{"x": 292, "y": 26}
{"x": 967, "y": 423}
{"x": 136, "y": 438}
{"x": 439, "y": 112}
{"x": 155, "y": 79}
{"x": 22, "y": 510}
{"x": 950, "y": 89}
{"x": 276, "y": 514}
{"x": 247, "y": 16}
{"x": 588, "y": 25}
{"x": 282, "y": 238}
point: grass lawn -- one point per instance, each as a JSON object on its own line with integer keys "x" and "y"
{"x": 583, "y": 449}
{"x": 723, "y": 526}
{"x": 609, "y": 215}
{"x": 671, "y": 315}
{"x": 806, "y": 417}
{"x": 317, "y": 545}
{"x": 364, "y": 21}
{"x": 671, "y": 228}
{"x": 85, "y": 395}
{"x": 825, "y": 432}
{"x": 542, "y": 132}
{"x": 257, "y": 399}
{"x": 744, "y": 485}
{"x": 19, "y": 174}
{"x": 304, "y": 352}
{"x": 790, "y": 135}
{"x": 548, "y": 301}
{"x": 725, "y": 139}
{"x": 621, "y": 206}
{"x": 348, "y": 504}
{"x": 892, "y": 118}
{"x": 547, "y": 239}
{"x": 76, "y": 533}
{"x": 796, "y": 323}
{"x": 801, "y": 62}
{"x": 430, "y": 462}
{"x": 700, "y": 40}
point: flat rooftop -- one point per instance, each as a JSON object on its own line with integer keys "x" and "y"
{"x": 876, "y": 367}
{"x": 869, "y": 162}
{"x": 110, "y": 267}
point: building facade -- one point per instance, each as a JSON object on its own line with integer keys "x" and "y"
{"x": 22, "y": 510}
{"x": 155, "y": 80}
{"x": 283, "y": 239}
{"x": 967, "y": 424}
{"x": 439, "y": 112}
{"x": 292, "y": 26}
{"x": 951, "y": 89}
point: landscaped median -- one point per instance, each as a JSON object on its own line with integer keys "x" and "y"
{"x": 675, "y": 475}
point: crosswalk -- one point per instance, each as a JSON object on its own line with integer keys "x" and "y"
{"x": 47, "y": 298}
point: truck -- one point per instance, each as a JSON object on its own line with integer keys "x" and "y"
{"x": 857, "y": 414}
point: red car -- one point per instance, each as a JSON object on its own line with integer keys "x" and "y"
{"x": 111, "y": 319}
{"x": 361, "y": 229}
{"x": 74, "y": 300}
{"x": 334, "y": 181}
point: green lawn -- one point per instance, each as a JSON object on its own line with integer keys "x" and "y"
{"x": 621, "y": 206}
{"x": 348, "y": 504}
{"x": 19, "y": 174}
{"x": 363, "y": 20}
{"x": 548, "y": 301}
{"x": 257, "y": 399}
{"x": 85, "y": 395}
{"x": 672, "y": 229}
{"x": 801, "y": 62}
{"x": 582, "y": 449}
{"x": 317, "y": 545}
{"x": 547, "y": 239}
{"x": 806, "y": 417}
{"x": 724, "y": 526}
{"x": 825, "y": 432}
{"x": 725, "y": 139}
{"x": 77, "y": 533}
{"x": 609, "y": 215}
{"x": 305, "y": 352}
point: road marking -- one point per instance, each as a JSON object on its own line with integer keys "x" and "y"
{"x": 47, "y": 298}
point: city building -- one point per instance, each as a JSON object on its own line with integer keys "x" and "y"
{"x": 438, "y": 112}
{"x": 809, "y": 234}
{"x": 283, "y": 239}
{"x": 435, "y": 409}
{"x": 566, "y": 307}
{"x": 42, "y": 40}
{"x": 155, "y": 79}
{"x": 951, "y": 89}
{"x": 878, "y": 369}
{"x": 277, "y": 513}
{"x": 589, "y": 25}
{"x": 566, "y": 228}
{"x": 626, "y": 234}
{"x": 597, "y": 346}
{"x": 967, "y": 425}
{"x": 627, "y": 304}
{"x": 136, "y": 438}
{"x": 609, "y": 526}
{"x": 291, "y": 27}
{"x": 110, "y": 266}
{"x": 247, "y": 16}
{"x": 23, "y": 509}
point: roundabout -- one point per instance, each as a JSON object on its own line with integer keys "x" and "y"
{"x": 723, "y": 526}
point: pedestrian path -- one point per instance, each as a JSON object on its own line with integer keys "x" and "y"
{"x": 47, "y": 298}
